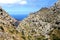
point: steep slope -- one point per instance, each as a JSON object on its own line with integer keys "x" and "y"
{"x": 7, "y": 27}
{"x": 42, "y": 25}
{"x": 6, "y": 17}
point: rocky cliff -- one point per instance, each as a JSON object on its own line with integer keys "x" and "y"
{"x": 41, "y": 25}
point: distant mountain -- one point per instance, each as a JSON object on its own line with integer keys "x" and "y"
{"x": 41, "y": 25}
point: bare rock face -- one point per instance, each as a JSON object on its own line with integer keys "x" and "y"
{"x": 42, "y": 25}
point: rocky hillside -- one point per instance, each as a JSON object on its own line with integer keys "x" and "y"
{"x": 42, "y": 25}
{"x": 6, "y": 17}
{"x": 8, "y": 27}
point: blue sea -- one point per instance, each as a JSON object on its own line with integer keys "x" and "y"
{"x": 20, "y": 17}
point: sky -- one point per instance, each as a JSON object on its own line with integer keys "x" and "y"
{"x": 20, "y": 7}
